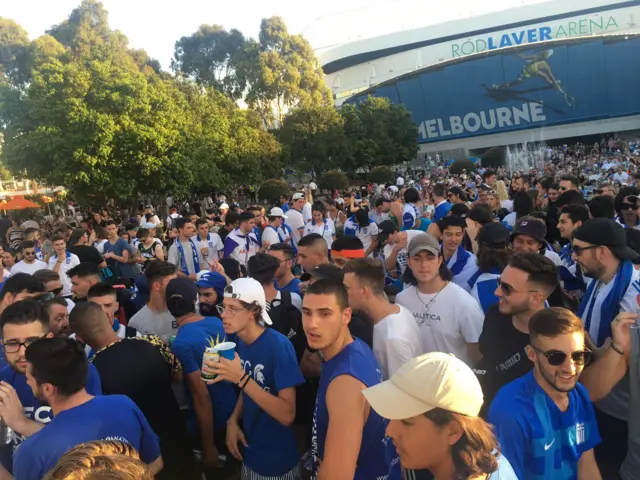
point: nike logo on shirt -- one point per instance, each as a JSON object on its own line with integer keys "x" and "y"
{"x": 547, "y": 447}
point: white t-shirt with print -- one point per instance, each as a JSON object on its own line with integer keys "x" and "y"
{"x": 327, "y": 230}
{"x": 295, "y": 221}
{"x": 213, "y": 244}
{"x": 71, "y": 261}
{"x": 396, "y": 340}
{"x": 451, "y": 321}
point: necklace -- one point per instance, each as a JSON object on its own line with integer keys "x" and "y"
{"x": 427, "y": 306}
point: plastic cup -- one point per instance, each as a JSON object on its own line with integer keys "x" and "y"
{"x": 226, "y": 350}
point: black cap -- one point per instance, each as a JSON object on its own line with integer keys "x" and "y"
{"x": 327, "y": 271}
{"x": 494, "y": 235}
{"x": 386, "y": 228}
{"x": 535, "y": 229}
{"x": 606, "y": 233}
{"x": 183, "y": 288}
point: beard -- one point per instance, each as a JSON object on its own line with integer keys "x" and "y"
{"x": 208, "y": 310}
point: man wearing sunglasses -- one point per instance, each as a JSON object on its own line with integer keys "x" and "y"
{"x": 569, "y": 182}
{"x": 545, "y": 421}
{"x": 29, "y": 263}
{"x": 523, "y": 288}
{"x": 600, "y": 248}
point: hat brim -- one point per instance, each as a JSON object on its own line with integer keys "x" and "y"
{"x": 424, "y": 248}
{"x": 266, "y": 318}
{"x": 624, "y": 253}
{"x": 391, "y": 402}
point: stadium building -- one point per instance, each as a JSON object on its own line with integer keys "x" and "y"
{"x": 552, "y": 70}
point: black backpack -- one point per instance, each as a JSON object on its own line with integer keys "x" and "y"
{"x": 287, "y": 320}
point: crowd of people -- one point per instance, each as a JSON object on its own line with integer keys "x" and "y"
{"x": 475, "y": 325}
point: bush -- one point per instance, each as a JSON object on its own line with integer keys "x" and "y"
{"x": 494, "y": 157}
{"x": 272, "y": 190}
{"x": 462, "y": 164}
{"x": 333, "y": 179}
{"x": 381, "y": 175}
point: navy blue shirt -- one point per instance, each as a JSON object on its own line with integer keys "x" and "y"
{"x": 358, "y": 361}
{"x": 539, "y": 440}
{"x": 32, "y": 408}
{"x": 292, "y": 287}
{"x": 109, "y": 417}
{"x": 189, "y": 346}
{"x": 272, "y": 364}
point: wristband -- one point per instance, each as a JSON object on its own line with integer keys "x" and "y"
{"x": 245, "y": 383}
{"x": 242, "y": 378}
{"x": 616, "y": 349}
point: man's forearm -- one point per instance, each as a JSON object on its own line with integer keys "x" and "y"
{"x": 204, "y": 416}
{"x": 600, "y": 377}
{"x": 276, "y": 407}
{"x": 27, "y": 427}
{"x": 391, "y": 260}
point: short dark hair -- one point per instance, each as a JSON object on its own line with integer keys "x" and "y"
{"x": 30, "y": 230}
{"x": 570, "y": 197}
{"x": 110, "y": 222}
{"x": 481, "y": 213}
{"x": 459, "y": 209}
{"x": 554, "y": 321}
{"x": 318, "y": 207}
{"x": 370, "y": 271}
{"x": 24, "y": 312}
{"x": 60, "y": 362}
{"x": 347, "y": 243}
{"x": 262, "y": 267}
{"x": 19, "y": 282}
{"x": 45, "y": 275}
{"x": 56, "y": 238}
{"x": 602, "y": 206}
{"x": 576, "y": 213}
{"x": 554, "y": 186}
{"x": 180, "y": 222}
{"x": 546, "y": 182}
{"x": 327, "y": 286}
{"x": 451, "y": 221}
{"x": 231, "y": 267}
{"x": 142, "y": 233}
{"x": 27, "y": 244}
{"x": 46, "y": 306}
{"x": 411, "y": 195}
{"x": 570, "y": 178}
{"x": 158, "y": 270}
{"x": 201, "y": 221}
{"x": 439, "y": 190}
{"x": 86, "y": 320}
{"x": 285, "y": 248}
{"x": 490, "y": 258}
{"x": 101, "y": 290}
{"x": 541, "y": 270}
{"x": 76, "y": 235}
{"x": 84, "y": 270}
{"x": 311, "y": 240}
{"x": 230, "y": 217}
{"x": 487, "y": 174}
{"x": 525, "y": 178}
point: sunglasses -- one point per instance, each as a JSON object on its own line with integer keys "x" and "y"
{"x": 56, "y": 291}
{"x": 562, "y": 189}
{"x": 508, "y": 289}
{"x": 557, "y": 358}
{"x": 578, "y": 249}
{"x": 628, "y": 206}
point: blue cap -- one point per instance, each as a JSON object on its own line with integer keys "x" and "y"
{"x": 141, "y": 297}
{"x": 213, "y": 280}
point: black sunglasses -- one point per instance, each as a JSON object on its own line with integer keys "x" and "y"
{"x": 577, "y": 249}
{"x": 628, "y": 206}
{"x": 557, "y": 358}
{"x": 56, "y": 291}
{"x": 508, "y": 289}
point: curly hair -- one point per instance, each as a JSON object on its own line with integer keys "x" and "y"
{"x": 476, "y": 451}
{"x": 490, "y": 258}
{"x": 100, "y": 460}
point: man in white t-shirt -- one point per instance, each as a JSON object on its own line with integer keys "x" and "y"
{"x": 395, "y": 245}
{"x": 396, "y": 336}
{"x": 61, "y": 262}
{"x": 275, "y": 232}
{"x": 449, "y": 319}
{"x": 208, "y": 243}
{"x": 295, "y": 220}
{"x": 29, "y": 264}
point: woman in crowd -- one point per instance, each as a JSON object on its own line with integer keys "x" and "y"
{"x": 320, "y": 224}
{"x": 336, "y": 215}
{"x": 101, "y": 238}
{"x": 626, "y": 205}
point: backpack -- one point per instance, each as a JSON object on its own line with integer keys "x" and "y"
{"x": 287, "y": 320}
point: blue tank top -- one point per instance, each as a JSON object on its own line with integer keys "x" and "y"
{"x": 356, "y": 360}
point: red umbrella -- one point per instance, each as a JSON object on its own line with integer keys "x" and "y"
{"x": 19, "y": 203}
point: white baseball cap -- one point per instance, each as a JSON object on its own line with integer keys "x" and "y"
{"x": 276, "y": 212}
{"x": 433, "y": 380}
{"x": 249, "y": 290}
{"x": 297, "y": 196}
{"x": 313, "y": 186}
{"x": 223, "y": 206}
{"x": 148, "y": 225}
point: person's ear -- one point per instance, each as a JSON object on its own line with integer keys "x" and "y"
{"x": 454, "y": 432}
{"x": 531, "y": 354}
{"x": 49, "y": 335}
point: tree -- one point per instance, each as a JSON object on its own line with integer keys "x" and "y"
{"x": 494, "y": 157}
{"x": 313, "y": 140}
{"x": 13, "y": 45}
{"x": 462, "y": 164}
{"x": 214, "y": 57}
{"x": 381, "y": 175}
{"x": 272, "y": 190}
{"x": 334, "y": 180}
{"x": 380, "y": 133}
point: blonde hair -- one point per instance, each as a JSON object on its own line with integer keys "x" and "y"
{"x": 501, "y": 190}
{"x": 100, "y": 460}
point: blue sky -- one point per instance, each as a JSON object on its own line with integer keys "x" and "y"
{"x": 155, "y": 25}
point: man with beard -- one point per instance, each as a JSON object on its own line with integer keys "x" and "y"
{"x": 545, "y": 420}
{"x": 210, "y": 292}
{"x": 600, "y": 248}
{"x": 23, "y": 323}
{"x": 523, "y": 287}
{"x": 58, "y": 314}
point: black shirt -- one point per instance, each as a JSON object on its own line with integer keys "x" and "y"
{"x": 141, "y": 368}
{"x": 504, "y": 357}
{"x": 86, "y": 253}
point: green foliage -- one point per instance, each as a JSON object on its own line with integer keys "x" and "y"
{"x": 313, "y": 140}
{"x": 272, "y": 190}
{"x": 381, "y": 175}
{"x": 494, "y": 157}
{"x": 380, "y": 133}
{"x": 334, "y": 179}
{"x": 462, "y": 164}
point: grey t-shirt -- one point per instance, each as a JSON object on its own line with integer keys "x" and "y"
{"x": 175, "y": 257}
{"x": 147, "y": 322}
{"x": 631, "y": 467}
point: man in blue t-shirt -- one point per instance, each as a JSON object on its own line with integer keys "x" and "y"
{"x": 56, "y": 371}
{"x": 23, "y": 323}
{"x": 285, "y": 280}
{"x": 266, "y": 371}
{"x": 348, "y": 439}
{"x": 116, "y": 253}
{"x": 209, "y": 405}
{"x": 545, "y": 421}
